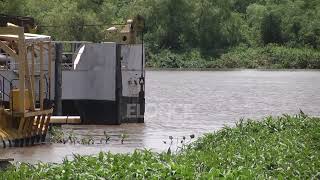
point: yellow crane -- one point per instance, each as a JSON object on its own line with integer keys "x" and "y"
{"x": 126, "y": 34}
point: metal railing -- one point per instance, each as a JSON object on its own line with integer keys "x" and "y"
{"x": 70, "y": 52}
{"x": 3, "y": 92}
{"x": 67, "y": 66}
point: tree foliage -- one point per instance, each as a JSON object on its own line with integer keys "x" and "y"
{"x": 270, "y": 29}
{"x": 212, "y": 27}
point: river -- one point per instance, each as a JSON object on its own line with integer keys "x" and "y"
{"x": 181, "y": 103}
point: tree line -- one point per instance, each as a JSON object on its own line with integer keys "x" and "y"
{"x": 180, "y": 30}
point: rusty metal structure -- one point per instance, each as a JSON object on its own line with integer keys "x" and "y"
{"x": 23, "y": 123}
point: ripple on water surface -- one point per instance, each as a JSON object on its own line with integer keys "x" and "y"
{"x": 183, "y": 103}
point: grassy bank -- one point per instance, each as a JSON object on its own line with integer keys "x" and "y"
{"x": 268, "y": 57}
{"x": 275, "y": 147}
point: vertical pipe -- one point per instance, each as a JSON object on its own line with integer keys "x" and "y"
{"x": 2, "y": 95}
{"x": 7, "y": 62}
{"x": 118, "y": 85}
{"x": 142, "y": 84}
{"x": 58, "y": 80}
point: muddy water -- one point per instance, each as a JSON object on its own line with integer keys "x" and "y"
{"x": 183, "y": 103}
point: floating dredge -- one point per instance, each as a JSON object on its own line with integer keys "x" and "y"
{"x": 101, "y": 83}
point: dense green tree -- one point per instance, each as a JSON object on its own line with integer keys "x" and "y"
{"x": 12, "y": 7}
{"x": 270, "y": 29}
{"x": 218, "y": 27}
{"x": 173, "y": 24}
{"x": 241, "y": 5}
{"x": 211, "y": 27}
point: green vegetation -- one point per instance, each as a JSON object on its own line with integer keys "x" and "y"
{"x": 277, "y": 148}
{"x": 193, "y": 33}
{"x": 270, "y": 56}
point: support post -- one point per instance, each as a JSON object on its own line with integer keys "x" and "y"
{"x": 58, "y": 80}
{"x": 49, "y": 70}
{"x": 118, "y": 92}
{"x": 29, "y": 83}
{"x": 22, "y": 75}
{"x": 32, "y": 71}
{"x": 41, "y": 77}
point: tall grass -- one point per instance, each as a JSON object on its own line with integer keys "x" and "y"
{"x": 168, "y": 59}
{"x": 282, "y": 147}
{"x": 268, "y": 57}
{"x": 271, "y": 56}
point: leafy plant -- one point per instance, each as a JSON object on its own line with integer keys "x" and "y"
{"x": 123, "y": 137}
{"x": 107, "y": 137}
{"x": 285, "y": 147}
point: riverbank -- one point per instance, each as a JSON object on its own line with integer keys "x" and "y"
{"x": 275, "y": 147}
{"x": 230, "y": 69}
{"x": 241, "y": 57}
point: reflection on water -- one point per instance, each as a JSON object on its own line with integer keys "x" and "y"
{"x": 183, "y": 103}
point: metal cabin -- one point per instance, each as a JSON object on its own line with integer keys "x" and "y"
{"x": 104, "y": 83}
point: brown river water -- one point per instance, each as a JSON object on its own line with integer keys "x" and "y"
{"x": 181, "y": 103}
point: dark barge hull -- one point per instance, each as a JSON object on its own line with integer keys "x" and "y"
{"x": 102, "y": 112}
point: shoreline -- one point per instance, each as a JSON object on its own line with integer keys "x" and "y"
{"x": 230, "y": 69}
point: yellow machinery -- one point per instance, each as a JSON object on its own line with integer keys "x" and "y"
{"x": 126, "y": 34}
{"x": 14, "y": 103}
{"x": 24, "y": 124}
